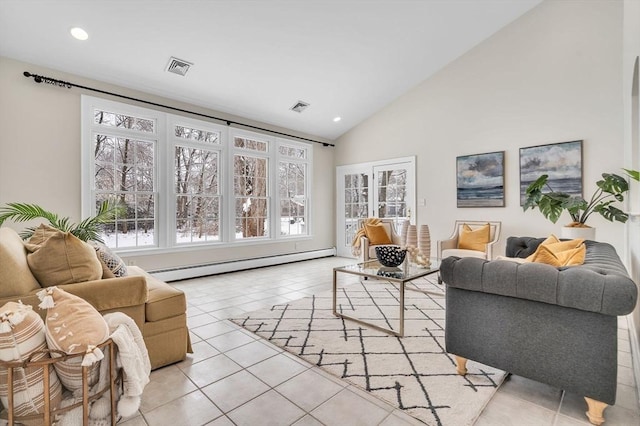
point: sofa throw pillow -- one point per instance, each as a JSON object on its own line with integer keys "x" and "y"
{"x": 73, "y": 326}
{"x": 552, "y": 245}
{"x": 112, "y": 261}
{"x": 568, "y": 257}
{"x": 22, "y": 336}
{"x": 63, "y": 259}
{"x": 377, "y": 234}
{"x": 42, "y": 234}
{"x": 474, "y": 239}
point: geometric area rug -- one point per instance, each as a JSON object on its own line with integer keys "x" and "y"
{"x": 413, "y": 373}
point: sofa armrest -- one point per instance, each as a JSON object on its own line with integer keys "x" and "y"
{"x": 578, "y": 287}
{"x": 111, "y": 293}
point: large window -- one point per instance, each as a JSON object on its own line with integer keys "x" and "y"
{"x": 124, "y": 148}
{"x": 292, "y": 184}
{"x": 251, "y": 187}
{"x": 186, "y": 182}
{"x": 196, "y": 184}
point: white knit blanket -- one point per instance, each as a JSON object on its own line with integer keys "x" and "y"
{"x": 133, "y": 358}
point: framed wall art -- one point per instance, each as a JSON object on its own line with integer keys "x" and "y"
{"x": 480, "y": 180}
{"x": 561, "y": 161}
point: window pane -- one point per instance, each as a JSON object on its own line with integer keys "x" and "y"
{"x": 197, "y": 134}
{"x": 111, "y": 119}
{"x": 197, "y": 198}
{"x": 251, "y": 144}
{"x": 124, "y": 170}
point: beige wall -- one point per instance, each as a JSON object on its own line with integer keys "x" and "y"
{"x": 40, "y": 161}
{"x": 553, "y": 75}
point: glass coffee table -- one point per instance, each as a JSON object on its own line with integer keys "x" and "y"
{"x": 373, "y": 271}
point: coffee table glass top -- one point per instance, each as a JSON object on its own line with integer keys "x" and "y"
{"x": 405, "y": 272}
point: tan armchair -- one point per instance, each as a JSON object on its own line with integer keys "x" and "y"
{"x": 450, "y": 246}
{"x": 368, "y": 250}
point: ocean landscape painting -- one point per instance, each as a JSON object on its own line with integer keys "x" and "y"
{"x": 480, "y": 180}
{"x": 561, "y": 161}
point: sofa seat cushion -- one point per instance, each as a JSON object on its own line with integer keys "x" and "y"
{"x": 163, "y": 301}
{"x": 16, "y": 278}
{"x": 463, "y": 253}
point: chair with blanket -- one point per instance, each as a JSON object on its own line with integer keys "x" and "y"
{"x": 373, "y": 232}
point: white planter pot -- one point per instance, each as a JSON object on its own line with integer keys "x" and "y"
{"x": 571, "y": 233}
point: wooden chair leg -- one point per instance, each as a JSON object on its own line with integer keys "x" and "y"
{"x": 461, "y": 365}
{"x": 596, "y": 411}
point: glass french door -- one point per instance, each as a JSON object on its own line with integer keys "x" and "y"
{"x": 384, "y": 189}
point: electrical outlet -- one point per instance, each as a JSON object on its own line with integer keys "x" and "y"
{"x": 131, "y": 262}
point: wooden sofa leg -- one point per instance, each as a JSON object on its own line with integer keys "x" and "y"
{"x": 596, "y": 411}
{"x": 461, "y": 365}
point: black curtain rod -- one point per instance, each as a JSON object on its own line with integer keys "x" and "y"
{"x": 42, "y": 79}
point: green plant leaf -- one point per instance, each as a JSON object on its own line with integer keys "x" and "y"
{"x": 633, "y": 174}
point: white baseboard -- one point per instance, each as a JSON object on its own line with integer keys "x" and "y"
{"x": 635, "y": 352}
{"x": 237, "y": 265}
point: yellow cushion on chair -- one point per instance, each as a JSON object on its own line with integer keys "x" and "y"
{"x": 377, "y": 234}
{"x": 478, "y": 239}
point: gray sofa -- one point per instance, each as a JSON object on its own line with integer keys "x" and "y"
{"x": 553, "y": 325}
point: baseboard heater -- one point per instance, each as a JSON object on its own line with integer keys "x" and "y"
{"x": 186, "y": 272}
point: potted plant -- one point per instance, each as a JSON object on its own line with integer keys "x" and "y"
{"x": 552, "y": 203}
{"x": 87, "y": 230}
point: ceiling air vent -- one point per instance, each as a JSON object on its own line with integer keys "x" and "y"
{"x": 299, "y": 106}
{"x": 178, "y": 66}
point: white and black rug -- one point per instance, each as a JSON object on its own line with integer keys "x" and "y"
{"x": 412, "y": 372}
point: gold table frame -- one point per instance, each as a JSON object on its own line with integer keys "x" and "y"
{"x": 374, "y": 271}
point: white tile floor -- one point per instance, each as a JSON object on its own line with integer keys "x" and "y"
{"x": 236, "y": 378}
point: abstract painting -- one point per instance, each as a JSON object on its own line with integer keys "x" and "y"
{"x": 480, "y": 180}
{"x": 561, "y": 161}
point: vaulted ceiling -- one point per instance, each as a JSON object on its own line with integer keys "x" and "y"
{"x": 256, "y": 59}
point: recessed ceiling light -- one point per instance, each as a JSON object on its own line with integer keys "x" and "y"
{"x": 79, "y": 33}
{"x": 336, "y": 119}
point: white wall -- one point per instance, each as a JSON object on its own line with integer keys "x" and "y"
{"x": 631, "y": 81}
{"x": 40, "y": 161}
{"x": 553, "y": 75}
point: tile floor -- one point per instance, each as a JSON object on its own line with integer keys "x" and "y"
{"x": 236, "y": 378}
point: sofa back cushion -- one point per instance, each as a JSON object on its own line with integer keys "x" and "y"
{"x": 16, "y": 278}
{"x": 63, "y": 259}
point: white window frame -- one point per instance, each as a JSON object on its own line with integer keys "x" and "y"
{"x": 220, "y": 148}
{"x": 164, "y": 173}
{"x": 308, "y": 161}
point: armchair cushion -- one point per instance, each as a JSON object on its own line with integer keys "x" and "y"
{"x": 471, "y": 239}
{"x": 377, "y": 234}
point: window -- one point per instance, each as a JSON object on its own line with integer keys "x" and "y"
{"x": 124, "y": 170}
{"x": 196, "y": 184}
{"x": 251, "y": 188}
{"x": 186, "y": 182}
{"x": 292, "y": 183}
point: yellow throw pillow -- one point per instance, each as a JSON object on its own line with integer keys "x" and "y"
{"x": 477, "y": 239}
{"x": 377, "y": 234}
{"x": 42, "y": 234}
{"x": 569, "y": 257}
{"x": 63, "y": 259}
{"x": 555, "y": 246}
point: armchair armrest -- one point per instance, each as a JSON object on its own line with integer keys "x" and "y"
{"x": 449, "y": 244}
{"x": 364, "y": 248}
